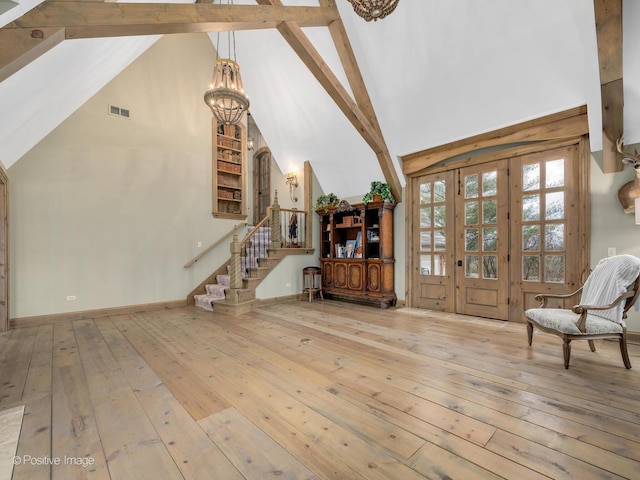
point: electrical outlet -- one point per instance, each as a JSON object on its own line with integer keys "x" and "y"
{"x": 287, "y": 284}
{"x": 71, "y": 297}
{"x": 199, "y": 244}
{"x": 611, "y": 251}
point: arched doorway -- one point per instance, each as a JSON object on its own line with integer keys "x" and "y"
{"x": 261, "y": 183}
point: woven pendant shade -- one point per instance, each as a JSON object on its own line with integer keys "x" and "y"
{"x": 373, "y": 9}
{"x": 226, "y": 96}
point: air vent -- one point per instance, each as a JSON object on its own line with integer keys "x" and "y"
{"x": 118, "y": 111}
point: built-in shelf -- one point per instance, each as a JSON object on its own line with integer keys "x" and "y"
{"x": 229, "y": 171}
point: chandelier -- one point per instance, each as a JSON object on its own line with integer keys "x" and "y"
{"x": 373, "y": 9}
{"x": 225, "y": 95}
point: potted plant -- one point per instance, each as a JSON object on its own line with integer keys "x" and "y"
{"x": 325, "y": 202}
{"x": 379, "y": 191}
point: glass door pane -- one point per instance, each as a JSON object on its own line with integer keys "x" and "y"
{"x": 433, "y": 227}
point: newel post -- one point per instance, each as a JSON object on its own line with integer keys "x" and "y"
{"x": 276, "y": 235}
{"x": 235, "y": 273}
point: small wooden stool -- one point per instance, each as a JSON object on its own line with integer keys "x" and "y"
{"x": 312, "y": 281}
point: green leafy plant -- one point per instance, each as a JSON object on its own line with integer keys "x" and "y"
{"x": 323, "y": 202}
{"x": 378, "y": 188}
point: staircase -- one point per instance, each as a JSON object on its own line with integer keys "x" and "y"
{"x": 256, "y": 261}
{"x": 214, "y": 293}
{"x": 253, "y": 268}
{"x": 232, "y": 288}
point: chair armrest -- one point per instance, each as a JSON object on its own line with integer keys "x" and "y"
{"x": 542, "y": 297}
{"x": 582, "y": 310}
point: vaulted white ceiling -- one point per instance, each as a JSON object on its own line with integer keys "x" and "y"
{"x": 436, "y": 71}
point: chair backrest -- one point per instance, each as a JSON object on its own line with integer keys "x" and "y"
{"x": 611, "y": 278}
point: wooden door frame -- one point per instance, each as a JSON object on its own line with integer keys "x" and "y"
{"x": 564, "y": 128}
{"x": 4, "y": 249}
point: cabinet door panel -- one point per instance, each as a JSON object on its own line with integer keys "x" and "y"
{"x": 327, "y": 274}
{"x": 340, "y": 275}
{"x": 355, "y": 276}
{"x": 373, "y": 277}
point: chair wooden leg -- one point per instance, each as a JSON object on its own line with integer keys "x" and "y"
{"x": 530, "y": 332}
{"x": 624, "y": 352}
{"x": 592, "y": 345}
{"x": 566, "y": 350}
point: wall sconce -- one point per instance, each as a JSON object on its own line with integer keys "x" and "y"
{"x": 637, "y": 206}
{"x": 249, "y": 143}
{"x": 292, "y": 181}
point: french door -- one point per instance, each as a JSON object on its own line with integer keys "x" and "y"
{"x": 482, "y": 231}
{"x": 546, "y": 215}
{"x": 488, "y": 237}
{"x": 434, "y": 275}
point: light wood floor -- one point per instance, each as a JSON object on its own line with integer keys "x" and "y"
{"x": 324, "y": 390}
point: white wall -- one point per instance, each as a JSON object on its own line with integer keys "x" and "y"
{"x": 108, "y": 209}
{"x": 610, "y": 226}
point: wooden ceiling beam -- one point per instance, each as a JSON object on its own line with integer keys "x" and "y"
{"x": 315, "y": 63}
{"x": 608, "y": 15}
{"x": 21, "y": 46}
{"x": 62, "y": 20}
{"x": 361, "y": 95}
{"x": 359, "y": 112}
{"x": 118, "y": 19}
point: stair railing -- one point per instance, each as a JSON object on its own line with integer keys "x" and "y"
{"x": 293, "y": 231}
{"x": 214, "y": 244}
{"x": 280, "y": 228}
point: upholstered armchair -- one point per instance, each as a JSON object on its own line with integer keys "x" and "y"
{"x": 610, "y": 290}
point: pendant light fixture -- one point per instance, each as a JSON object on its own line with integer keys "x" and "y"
{"x": 225, "y": 95}
{"x": 373, "y": 9}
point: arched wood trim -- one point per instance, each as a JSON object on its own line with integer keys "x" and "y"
{"x": 559, "y": 126}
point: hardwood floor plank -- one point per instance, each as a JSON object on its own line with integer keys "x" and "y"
{"x": 550, "y": 462}
{"x": 35, "y": 438}
{"x": 38, "y": 381}
{"x": 191, "y": 449}
{"x": 253, "y": 452}
{"x": 591, "y": 434}
{"x": 15, "y": 358}
{"x": 34, "y": 445}
{"x": 435, "y": 462}
{"x": 74, "y": 428}
{"x": 181, "y": 381}
{"x": 132, "y": 446}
